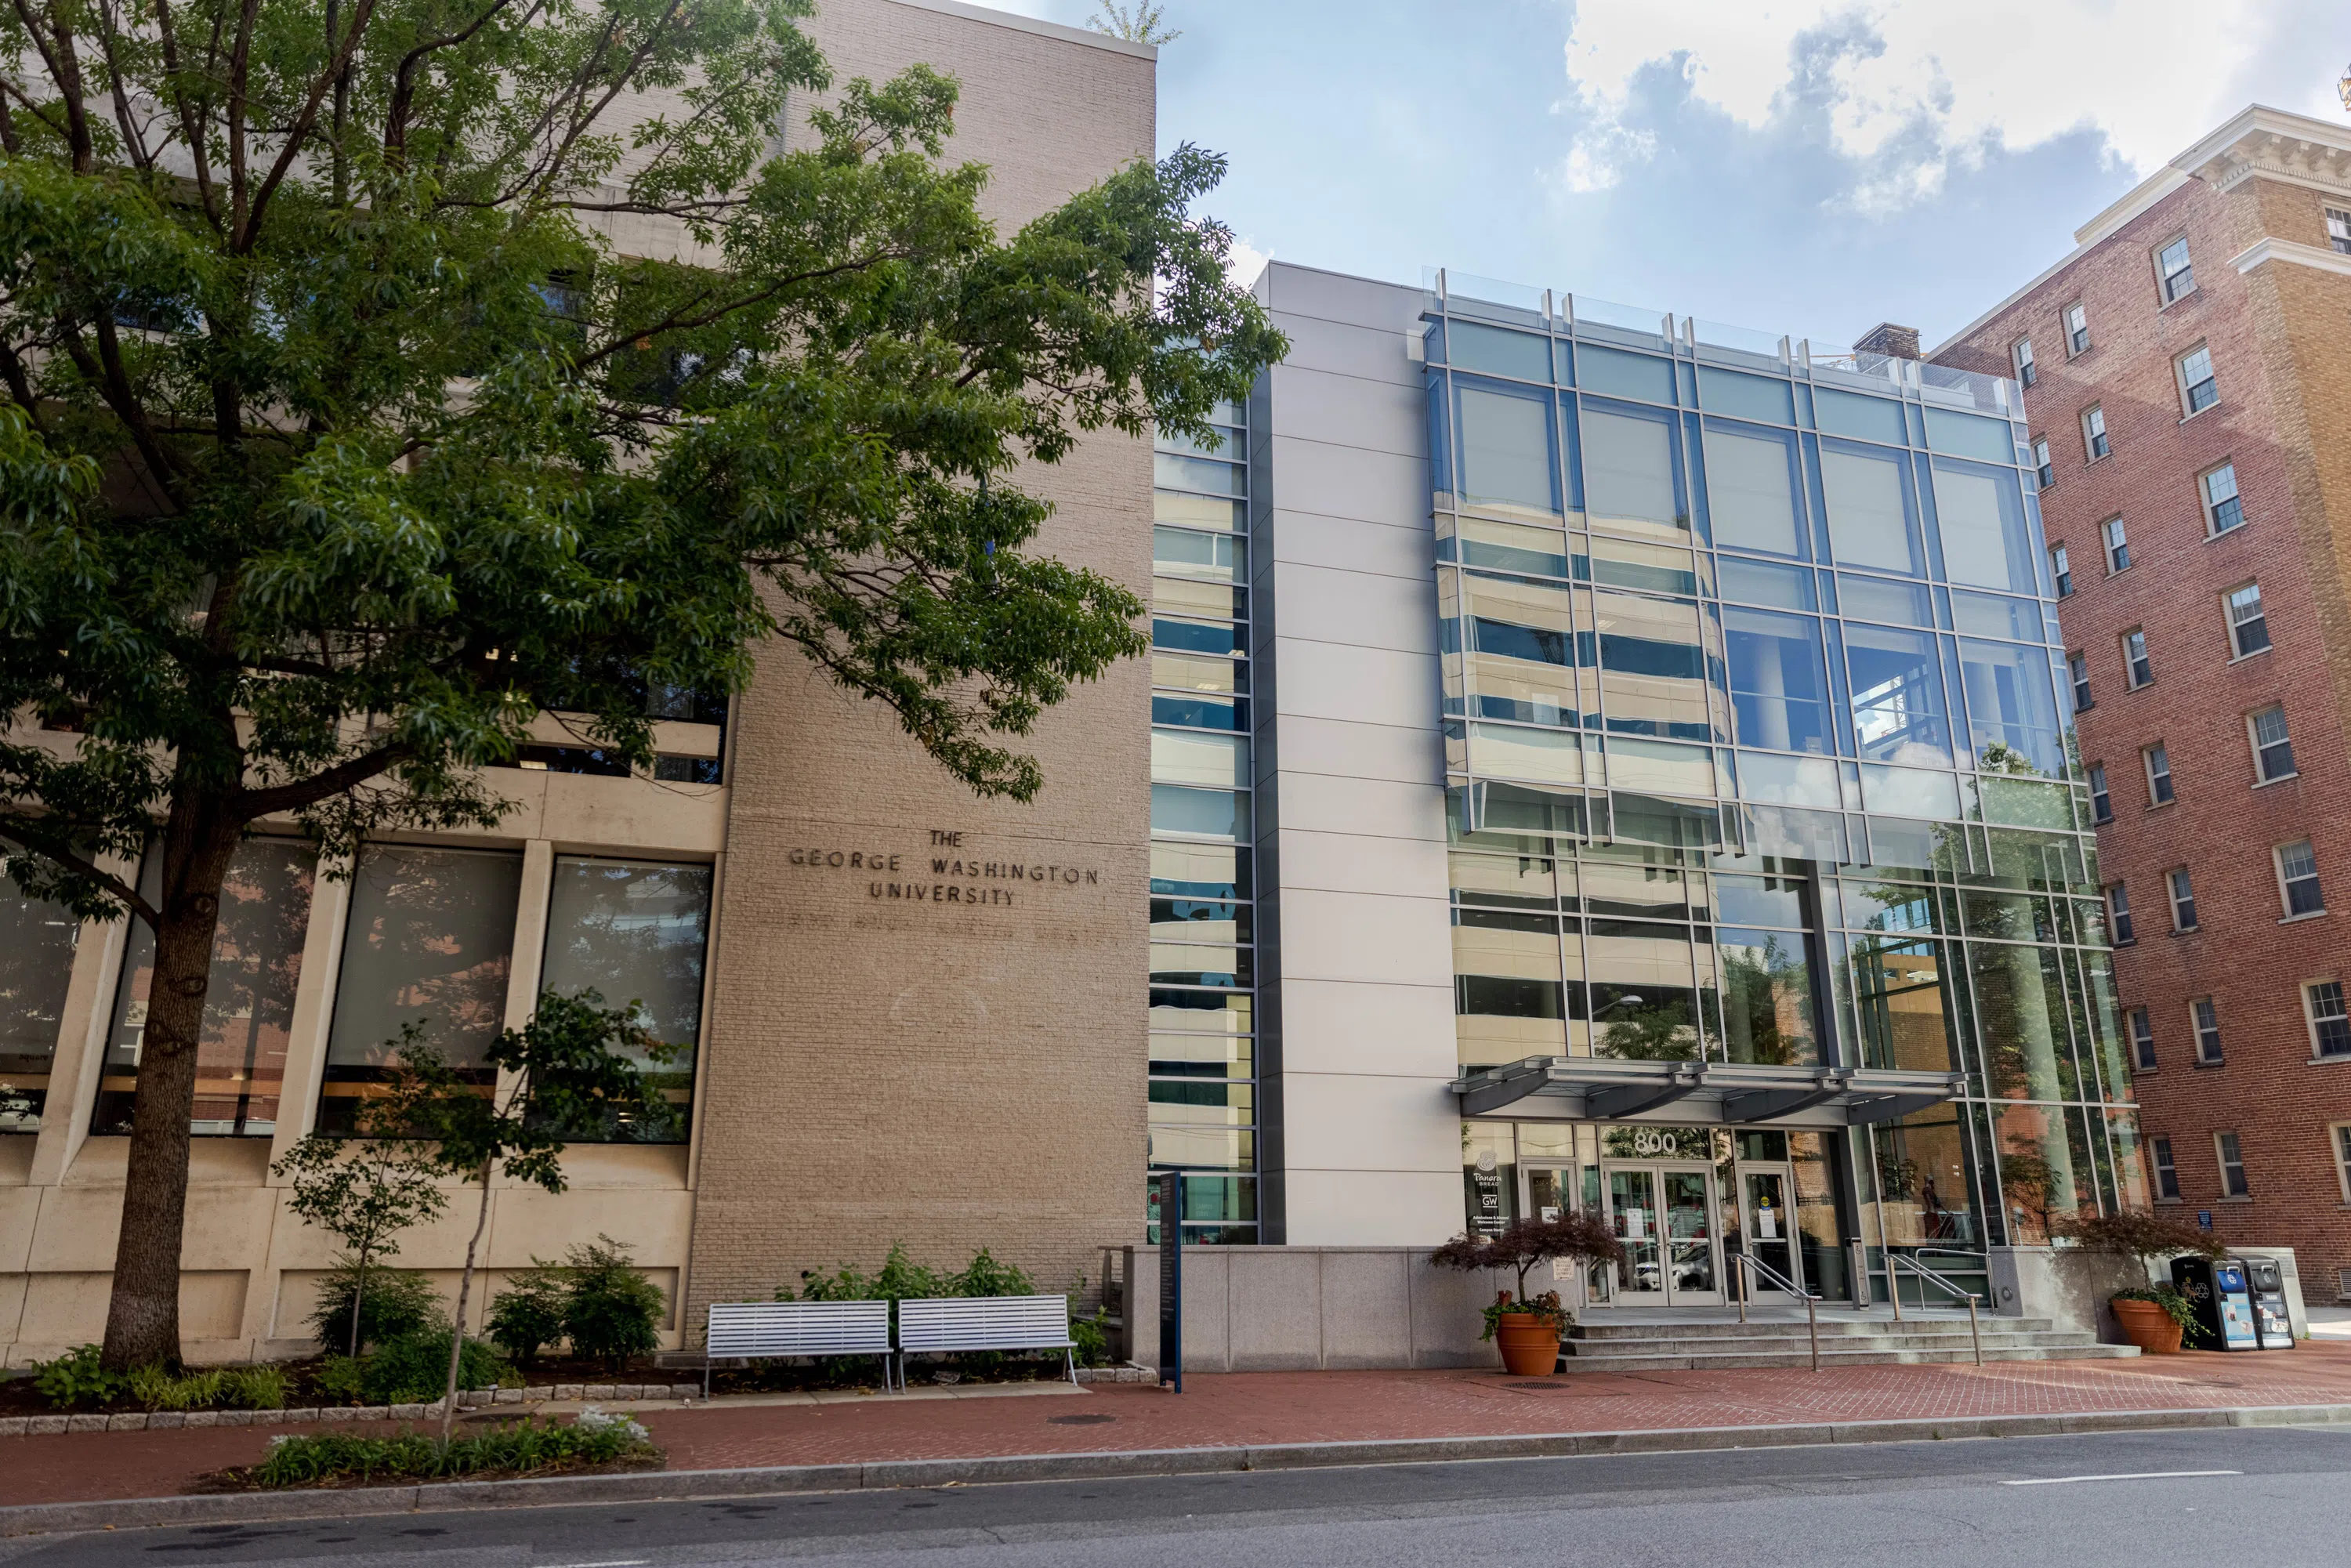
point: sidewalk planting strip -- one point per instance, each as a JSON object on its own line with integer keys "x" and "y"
{"x": 687, "y": 1485}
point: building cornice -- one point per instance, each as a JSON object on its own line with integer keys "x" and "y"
{"x": 2270, "y": 248}
{"x": 1043, "y": 30}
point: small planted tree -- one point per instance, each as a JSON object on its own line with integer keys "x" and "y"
{"x": 2148, "y": 1238}
{"x": 566, "y": 1073}
{"x": 364, "y": 1191}
{"x": 1520, "y": 1246}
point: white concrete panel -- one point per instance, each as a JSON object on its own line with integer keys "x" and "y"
{"x": 1359, "y": 608}
{"x": 1372, "y": 806}
{"x": 1340, "y": 347}
{"x": 1347, "y": 482}
{"x": 1343, "y": 863}
{"x": 1358, "y": 1121}
{"x": 1335, "y": 296}
{"x": 1372, "y": 1209}
{"x": 1348, "y": 411}
{"x": 1332, "y": 1027}
{"x": 1309, "y": 538}
{"x": 1406, "y": 756}
{"x": 1363, "y": 686}
{"x": 1370, "y": 938}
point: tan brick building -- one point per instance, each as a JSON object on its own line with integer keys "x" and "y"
{"x": 2188, "y": 372}
{"x": 916, "y": 1017}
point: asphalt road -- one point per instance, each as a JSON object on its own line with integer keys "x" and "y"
{"x": 2069, "y": 1502}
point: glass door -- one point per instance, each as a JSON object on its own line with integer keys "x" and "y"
{"x": 1632, "y": 1213}
{"x": 1766, "y": 1224}
{"x": 1693, "y": 1270}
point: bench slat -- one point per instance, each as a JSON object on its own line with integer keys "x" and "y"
{"x": 798, "y": 1328}
{"x": 984, "y": 1323}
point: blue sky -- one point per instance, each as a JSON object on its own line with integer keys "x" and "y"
{"x": 1805, "y": 166}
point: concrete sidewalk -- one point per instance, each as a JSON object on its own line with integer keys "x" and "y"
{"x": 1245, "y": 1411}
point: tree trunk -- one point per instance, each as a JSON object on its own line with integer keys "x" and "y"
{"x": 142, "y": 1319}
{"x": 465, "y": 1288}
{"x": 358, "y": 1299}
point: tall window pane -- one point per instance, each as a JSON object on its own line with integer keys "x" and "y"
{"x": 635, "y": 931}
{"x": 264, "y": 914}
{"x": 1870, "y": 510}
{"x": 1767, "y": 997}
{"x": 2011, "y": 708}
{"x": 1653, "y": 666}
{"x": 1628, "y": 471}
{"x": 431, "y": 941}
{"x": 1779, "y": 681}
{"x": 1751, "y": 487}
{"x": 1897, "y": 695}
{"x": 1506, "y": 451}
{"x": 1986, "y": 539}
{"x": 1521, "y": 649}
{"x": 37, "y": 955}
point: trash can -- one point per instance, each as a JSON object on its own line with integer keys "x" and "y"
{"x": 2225, "y": 1306}
{"x": 2265, "y": 1283}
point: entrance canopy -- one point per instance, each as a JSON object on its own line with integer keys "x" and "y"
{"x": 1698, "y": 1093}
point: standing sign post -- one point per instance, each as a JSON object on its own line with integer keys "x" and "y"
{"x": 1171, "y": 1279}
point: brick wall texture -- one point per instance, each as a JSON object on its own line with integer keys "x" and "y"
{"x": 947, "y": 1048}
{"x": 2280, "y": 336}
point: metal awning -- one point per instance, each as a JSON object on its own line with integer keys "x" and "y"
{"x": 1698, "y": 1093}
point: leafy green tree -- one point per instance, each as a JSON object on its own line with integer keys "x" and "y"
{"x": 365, "y": 1191}
{"x": 1141, "y": 23}
{"x": 527, "y": 1315}
{"x": 339, "y": 436}
{"x": 612, "y": 1312}
{"x": 566, "y": 1073}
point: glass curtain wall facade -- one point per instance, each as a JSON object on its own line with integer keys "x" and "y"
{"x": 1203, "y": 1079}
{"x": 1756, "y": 748}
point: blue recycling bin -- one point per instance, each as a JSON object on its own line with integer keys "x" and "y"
{"x": 2265, "y": 1283}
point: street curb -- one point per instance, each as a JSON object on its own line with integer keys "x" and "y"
{"x": 658, "y": 1486}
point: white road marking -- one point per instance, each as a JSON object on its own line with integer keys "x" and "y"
{"x": 2062, "y": 1480}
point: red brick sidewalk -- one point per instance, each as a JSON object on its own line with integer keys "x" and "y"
{"x": 1219, "y": 1411}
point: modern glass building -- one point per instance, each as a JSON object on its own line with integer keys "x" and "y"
{"x": 1687, "y": 704}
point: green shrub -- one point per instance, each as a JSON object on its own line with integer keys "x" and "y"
{"x": 414, "y": 1369}
{"x": 76, "y": 1378}
{"x": 154, "y": 1388}
{"x": 528, "y": 1314}
{"x": 522, "y": 1446}
{"x": 255, "y": 1387}
{"x": 344, "y": 1378}
{"x": 984, "y": 1276}
{"x": 900, "y": 1277}
{"x": 1093, "y": 1340}
{"x": 397, "y": 1302}
{"x": 613, "y": 1312}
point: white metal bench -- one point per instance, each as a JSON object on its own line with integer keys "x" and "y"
{"x": 751, "y": 1329}
{"x": 986, "y": 1323}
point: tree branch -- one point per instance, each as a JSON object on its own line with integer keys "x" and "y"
{"x": 140, "y": 158}
{"x": 299, "y": 130}
{"x": 620, "y": 80}
{"x": 240, "y": 76}
{"x": 674, "y": 323}
{"x": 403, "y": 84}
{"x": 253, "y": 804}
{"x": 84, "y": 868}
{"x": 115, "y": 387}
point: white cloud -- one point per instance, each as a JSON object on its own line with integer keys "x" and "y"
{"x": 1911, "y": 87}
{"x": 1244, "y": 262}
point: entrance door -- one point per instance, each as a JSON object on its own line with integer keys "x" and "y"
{"x": 1766, "y": 1224}
{"x": 1665, "y": 1217}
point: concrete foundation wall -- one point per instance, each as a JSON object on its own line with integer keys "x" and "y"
{"x": 1302, "y": 1309}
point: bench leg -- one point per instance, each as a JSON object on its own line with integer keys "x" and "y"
{"x": 1070, "y": 1357}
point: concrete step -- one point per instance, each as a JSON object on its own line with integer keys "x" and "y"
{"x": 1847, "y": 1328}
{"x": 1701, "y": 1361}
{"x": 1678, "y": 1344}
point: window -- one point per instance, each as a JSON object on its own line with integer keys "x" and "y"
{"x": 2159, "y": 775}
{"x": 2224, "y": 509}
{"x": 2078, "y": 329}
{"x": 2117, "y": 544}
{"x": 2183, "y": 898}
{"x": 2061, "y": 569}
{"x": 2021, "y": 356}
{"x": 37, "y": 958}
{"x": 2273, "y": 748}
{"x": 2043, "y": 470}
{"x": 2249, "y": 628}
{"x": 635, "y": 929}
{"x": 2101, "y": 804}
{"x": 2167, "y": 1173}
{"x": 2094, "y": 433}
{"x": 2142, "y": 1032}
{"x": 2078, "y": 666}
{"x": 2197, "y": 388}
{"x": 2206, "y": 1019}
{"x": 2232, "y": 1166}
{"x": 2298, "y": 869}
{"x": 2138, "y": 669}
{"x": 2172, "y": 266}
{"x": 2338, "y": 230}
{"x": 2118, "y": 915}
{"x": 2342, "y": 1131}
{"x": 2330, "y": 1023}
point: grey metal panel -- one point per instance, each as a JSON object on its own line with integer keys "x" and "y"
{"x": 1349, "y": 482}
{"x": 1351, "y": 544}
{"x": 1357, "y": 608}
{"x": 1348, "y": 411}
{"x": 1373, "y": 352}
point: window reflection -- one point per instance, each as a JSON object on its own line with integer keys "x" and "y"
{"x": 1632, "y": 465}
{"x": 1873, "y": 521}
{"x": 1643, "y": 994}
{"x": 1779, "y": 680}
{"x": 1986, "y": 538}
{"x": 1507, "y": 454}
{"x": 1897, "y": 695}
{"x": 1521, "y": 647}
{"x": 1767, "y": 998}
{"x": 2012, "y": 720}
{"x": 1751, "y": 480}
{"x": 1653, "y": 666}
{"x": 635, "y": 931}
{"x": 37, "y": 955}
{"x": 1900, "y": 997}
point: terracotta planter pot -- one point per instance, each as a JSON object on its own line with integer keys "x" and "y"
{"x": 2146, "y": 1325}
{"x": 1528, "y": 1343}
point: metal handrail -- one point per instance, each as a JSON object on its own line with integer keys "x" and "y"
{"x": 1894, "y": 1289}
{"x": 1812, "y": 1301}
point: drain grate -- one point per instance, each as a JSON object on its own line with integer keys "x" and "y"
{"x": 1078, "y": 1420}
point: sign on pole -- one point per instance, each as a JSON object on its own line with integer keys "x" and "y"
{"x": 1171, "y": 1279}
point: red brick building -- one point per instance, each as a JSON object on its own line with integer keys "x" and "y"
{"x": 2188, "y": 369}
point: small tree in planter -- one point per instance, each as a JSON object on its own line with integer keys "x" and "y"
{"x": 2154, "y": 1317}
{"x": 1527, "y": 1327}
